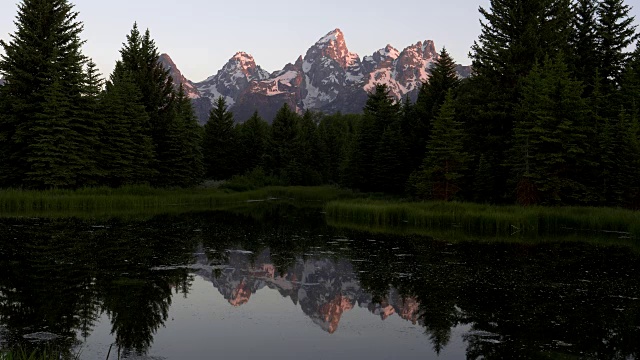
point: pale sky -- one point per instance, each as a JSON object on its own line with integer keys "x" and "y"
{"x": 201, "y": 35}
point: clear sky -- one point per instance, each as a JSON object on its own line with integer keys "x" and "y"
{"x": 201, "y": 35}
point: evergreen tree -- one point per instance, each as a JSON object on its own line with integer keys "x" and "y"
{"x": 184, "y": 161}
{"x": 53, "y": 160}
{"x": 220, "y": 143}
{"x": 446, "y": 161}
{"x": 549, "y": 145}
{"x": 254, "y": 139}
{"x": 91, "y": 122}
{"x": 444, "y": 77}
{"x": 390, "y": 172}
{"x": 305, "y": 167}
{"x": 380, "y": 112}
{"x": 284, "y": 132}
{"x": 335, "y": 134}
{"x": 608, "y": 145}
{"x": 629, "y": 95}
{"x": 127, "y": 155}
{"x": 585, "y": 43}
{"x": 483, "y": 181}
{"x": 515, "y": 35}
{"x": 140, "y": 58}
{"x": 620, "y": 148}
{"x": 431, "y": 96}
{"x": 616, "y": 32}
{"x": 629, "y": 161}
{"x": 45, "y": 50}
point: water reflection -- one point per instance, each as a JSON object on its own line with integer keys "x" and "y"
{"x": 551, "y": 300}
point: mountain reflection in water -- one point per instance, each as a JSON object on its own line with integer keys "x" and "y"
{"x": 323, "y": 288}
{"x": 79, "y": 285}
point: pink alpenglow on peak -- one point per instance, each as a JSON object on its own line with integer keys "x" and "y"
{"x": 179, "y": 79}
{"x": 328, "y": 78}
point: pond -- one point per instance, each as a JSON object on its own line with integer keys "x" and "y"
{"x": 276, "y": 281}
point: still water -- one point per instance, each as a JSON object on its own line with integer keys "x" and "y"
{"x": 280, "y": 283}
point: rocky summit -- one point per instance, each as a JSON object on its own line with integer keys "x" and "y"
{"x": 328, "y": 78}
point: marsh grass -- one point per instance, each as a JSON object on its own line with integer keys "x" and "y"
{"x": 487, "y": 220}
{"x": 456, "y": 235}
{"x": 136, "y": 199}
{"x": 22, "y": 354}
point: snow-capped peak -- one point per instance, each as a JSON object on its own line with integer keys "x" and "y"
{"x": 332, "y": 46}
{"x": 243, "y": 58}
{"x": 389, "y": 52}
{"x": 328, "y": 78}
{"x": 335, "y": 35}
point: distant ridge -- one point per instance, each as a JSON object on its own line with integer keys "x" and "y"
{"x": 328, "y": 78}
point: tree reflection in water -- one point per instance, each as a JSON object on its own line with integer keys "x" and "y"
{"x": 544, "y": 300}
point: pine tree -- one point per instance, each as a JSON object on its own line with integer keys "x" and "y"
{"x": 184, "y": 162}
{"x": 515, "y": 34}
{"x": 629, "y": 95}
{"x": 254, "y": 139}
{"x": 140, "y": 57}
{"x": 380, "y": 112}
{"x": 335, "y": 133}
{"x": 550, "y": 140}
{"x": 616, "y": 32}
{"x": 585, "y": 43}
{"x": 626, "y": 182}
{"x": 127, "y": 155}
{"x": 483, "y": 181}
{"x": 284, "y": 131}
{"x": 608, "y": 145}
{"x": 220, "y": 143}
{"x": 53, "y": 159}
{"x": 621, "y": 161}
{"x": 91, "y": 122}
{"x": 444, "y": 77}
{"x": 45, "y": 50}
{"x": 305, "y": 169}
{"x": 390, "y": 172}
{"x": 440, "y": 176}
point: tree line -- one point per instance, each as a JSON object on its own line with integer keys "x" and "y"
{"x": 549, "y": 116}
{"x": 63, "y": 126}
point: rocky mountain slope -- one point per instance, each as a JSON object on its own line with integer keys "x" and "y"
{"x": 328, "y": 78}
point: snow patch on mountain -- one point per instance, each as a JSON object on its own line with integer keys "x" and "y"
{"x": 327, "y": 78}
{"x": 286, "y": 77}
{"x": 213, "y": 93}
{"x": 332, "y": 36}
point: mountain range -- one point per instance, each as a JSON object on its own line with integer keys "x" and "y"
{"x": 328, "y": 78}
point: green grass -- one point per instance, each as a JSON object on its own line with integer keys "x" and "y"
{"x": 35, "y": 355}
{"x": 143, "y": 198}
{"x": 486, "y": 220}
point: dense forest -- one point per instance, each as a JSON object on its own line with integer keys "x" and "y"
{"x": 549, "y": 116}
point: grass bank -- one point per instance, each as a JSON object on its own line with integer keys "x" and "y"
{"x": 135, "y": 198}
{"x": 486, "y": 220}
